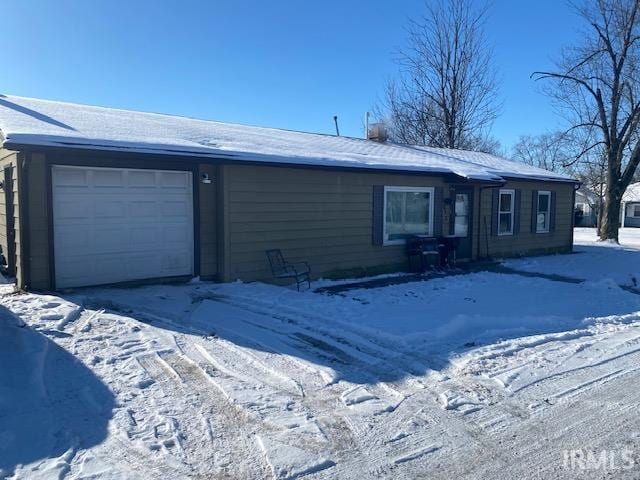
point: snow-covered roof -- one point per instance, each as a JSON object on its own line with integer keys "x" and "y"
{"x": 33, "y": 122}
{"x": 585, "y": 195}
{"x": 632, "y": 193}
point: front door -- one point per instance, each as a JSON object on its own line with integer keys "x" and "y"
{"x": 461, "y": 227}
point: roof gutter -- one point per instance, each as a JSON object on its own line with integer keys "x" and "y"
{"x": 540, "y": 179}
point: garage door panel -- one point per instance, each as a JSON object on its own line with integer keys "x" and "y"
{"x": 72, "y": 209}
{"x": 174, "y": 235}
{"x": 174, "y": 180}
{"x": 175, "y": 208}
{"x": 142, "y": 179}
{"x": 149, "y": 236}
{"x": 109, "y": 240}
{"x": 123, "y": 265}
{"x": 175, "y": 262}
{"x": 69, "y": 241}
{"x": 75, "y": 271}
{"x": 72, "y": 178}
{"x": 122, "y": 225}
{"x": 105, "y": 267}
{"x": 108, "y": 178}
{"x": 109, "y": 209}
{"x": 143, "y": 209}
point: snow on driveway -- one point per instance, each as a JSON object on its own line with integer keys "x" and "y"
{"x": 592, "y": 259}
{"x": 478, "y": 376}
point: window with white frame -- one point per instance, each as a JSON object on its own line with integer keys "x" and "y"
{"x": 407, "y": 211}
{"x": 633, "y": 210}
{"x": 506, "y": 201}
{"x": 543, "y": 212}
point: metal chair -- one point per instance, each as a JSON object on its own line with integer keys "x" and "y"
{"x": 280, "y": 268}
{"x": 424, "y": 248}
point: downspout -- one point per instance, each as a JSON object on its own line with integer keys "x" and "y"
{"x": 23, "y": 220}
{"x": 573, "y": 213}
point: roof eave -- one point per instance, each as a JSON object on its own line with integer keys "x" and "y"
{"x": 534, "y": 178}
{"x": 264, "y": 160}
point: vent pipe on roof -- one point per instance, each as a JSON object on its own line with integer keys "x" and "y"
{"x": 366, "y": 125}
{"x": 377, "y": 132}
{"x": 335, "y": 120}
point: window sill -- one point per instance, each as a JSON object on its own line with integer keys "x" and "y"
{"x": 391, "y": 243}
{"x": 402, "y": 241}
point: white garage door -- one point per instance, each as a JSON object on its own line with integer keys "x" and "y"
{"x": 115, "y": 225}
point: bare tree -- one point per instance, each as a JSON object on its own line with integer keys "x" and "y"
{"x": 564, "y": 152}
{"x": 551, "y": 151}
{"x": 597, "y": 86}
{"x": 592, "y": 174}
{"x": 445, "y": 94}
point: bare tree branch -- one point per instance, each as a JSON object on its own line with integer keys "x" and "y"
{"x": 445, "y": 93}
{"x": 597, "y": 84}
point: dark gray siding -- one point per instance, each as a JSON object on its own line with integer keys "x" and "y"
{"x": 208, "y": 203}
{"x": 9, "y": 158}
{"x": 526, "y": 241}
{"x": 38, "y": 227}
{"x": 320, "y": 216}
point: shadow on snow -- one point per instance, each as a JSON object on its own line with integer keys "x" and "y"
{"x": 33, "y": 113}
{"x": 50, "y": 403}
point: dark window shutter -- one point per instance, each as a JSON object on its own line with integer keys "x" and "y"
{"x": 494, "y": 211}
{"x": 534, "y": 210}
{"x": 516, "y": 211}
{"x": 437, "y": 211}
{"x": 552, "y": 213}
{"x": 378, "y": 213}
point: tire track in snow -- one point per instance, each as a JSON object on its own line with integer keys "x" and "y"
{"x": 374, "y": 348}
{"x": 205, "y": 410}
{"x": 225, "y": 377}
{"x": 359, "y": 355}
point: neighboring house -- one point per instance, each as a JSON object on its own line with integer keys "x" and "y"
{"x": 586, "y": 213}
{"x": 99, "y": 196}
{"x": 630, "y": 211}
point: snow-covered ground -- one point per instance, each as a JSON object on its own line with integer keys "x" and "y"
{"x": 593, "y": 260}
{"x": 486, "y": 375}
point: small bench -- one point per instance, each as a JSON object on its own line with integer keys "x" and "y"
{"x": 280, "y": 268}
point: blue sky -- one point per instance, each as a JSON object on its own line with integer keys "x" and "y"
{"x": 289, "y": 64}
